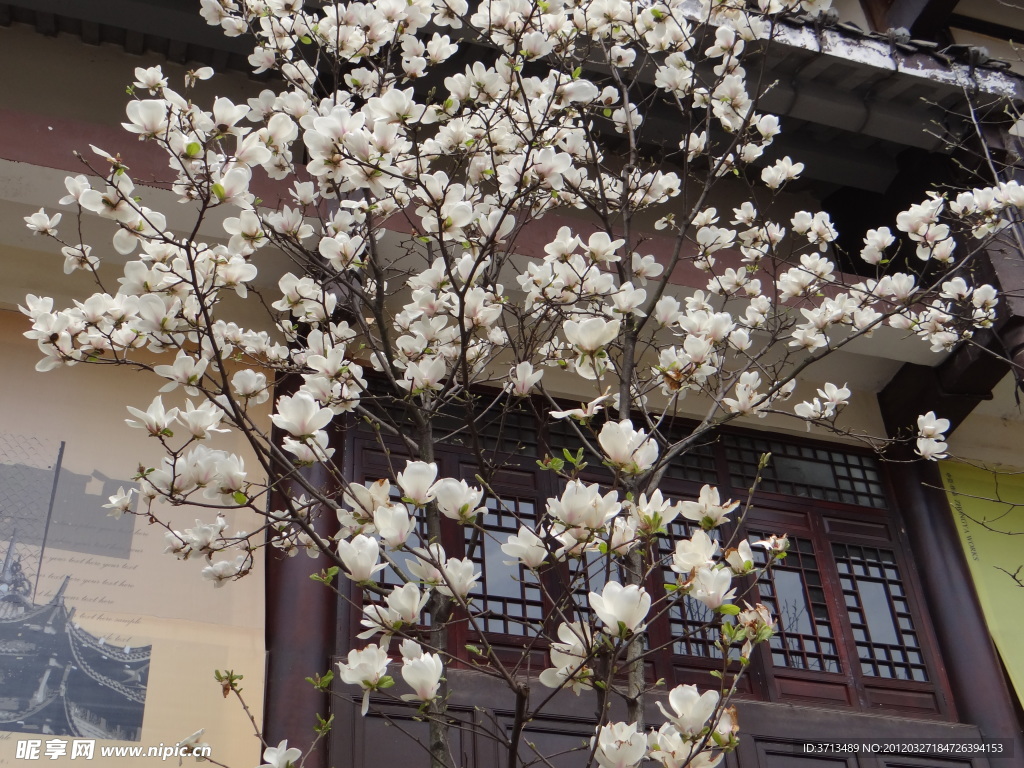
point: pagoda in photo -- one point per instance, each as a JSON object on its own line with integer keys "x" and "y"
{"x": 58, "y": 679}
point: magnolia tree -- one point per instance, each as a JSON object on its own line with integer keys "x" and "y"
{"x": 398, "y": 287}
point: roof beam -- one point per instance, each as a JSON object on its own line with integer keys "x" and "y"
{"x": 954, "y": 387}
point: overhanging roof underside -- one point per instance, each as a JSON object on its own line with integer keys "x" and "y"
{"x": 851, "y": 101}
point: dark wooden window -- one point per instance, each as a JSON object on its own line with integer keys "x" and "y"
{"x": 794, "y": 592}
{"x": 509, "y": 596}
{"x": 690, "y": 622}
{"x": 806, "y": 471}
{"x": 879, "y": 611}
{"x": 851, "y": 631}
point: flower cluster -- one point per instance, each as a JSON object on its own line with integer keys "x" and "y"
{"x": 413, "y": 190}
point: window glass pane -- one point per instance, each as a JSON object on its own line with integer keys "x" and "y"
{"x": 805, "y": 471}
{"x": 792, "y": 590}
{"x": 508, "y": 597}
{"x": 877, "y": 613}
{"x": 887, "y": 643}
{"x": 418, "y": 538}
{"x": 794, "y": 614}
{"x": 691, "y": 623}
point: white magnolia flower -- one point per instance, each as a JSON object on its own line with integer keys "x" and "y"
{"x": 628, "y": 449}
{"x": 365, "y": 668}
{"x": 711, "y": 586}
{"x": 708, "y": 510}
{"x": 527, "y": 547}
{"x": 622, "y": 609}
{"x": 740, "y": 558}
{"x": 620, "y": 745}
{"x": 460, "y": 577}
{"x": 569, "y": 658}
{"x": 394, "y": 524}
{"x": 360, "y": 557}
{"x": 691, "y": 709}
{"x": 523, "y": 378}
{"x": 186, "y": 370}
{"x": 423, "y": 674}
{"x": 120, "y": 502}
{"x": 417, "y": 482}
{"x": 155, "y": 419}
{"x": 928, "y": 425}
{"x": 673, "y": 750}
{"x": 931, "y": 449}
{"x": 222, "y": 571}
{"x": 583, "y": 506}
{"x": 592, "y": 334}
{"x": 428, "y": 564}
{"x": 41, "y": 224}
{"x": 281, "y": 756}
{"x": 406, "y": 602}
{"x": 696, "y": 552}
{"x": 457, "y": 500}
{"x": 300, "y": 415}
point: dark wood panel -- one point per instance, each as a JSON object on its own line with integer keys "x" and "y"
{"x": 792, "y": 688}
{"x": 858, "y": 528}
{"x": 772, "y": 754}
{"x": 920, "y": 702}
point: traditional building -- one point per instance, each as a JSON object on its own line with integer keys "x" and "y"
{"x": 882, "y": 632}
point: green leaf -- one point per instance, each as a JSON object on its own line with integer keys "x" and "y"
{"x": 323, "y": 726}
{"x": 325, "y": 576}
{"x": 577, "y": 72}
{"x": 219, "y": 191}
{"x": 474, "y": 650}
{"x": 729, "y": 609}
{"x": 193, "y": 148}
{"x": 240, "y": 498}
{"x": 322, "y": 682}
{"x": 306, "y": 39}
{"x": 385, "y": 682}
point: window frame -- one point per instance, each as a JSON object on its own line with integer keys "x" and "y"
{"x": 772, "y": 512}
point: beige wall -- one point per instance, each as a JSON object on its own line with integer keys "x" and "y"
{"x": 149, "y": 597}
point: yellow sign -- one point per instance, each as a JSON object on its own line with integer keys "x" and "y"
{"x": 988, "y": 509}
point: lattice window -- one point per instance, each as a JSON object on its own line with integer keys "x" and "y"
{"x": 696, "y": 466}
{"x": 512, "y": 432}
{"x": 877, "y": 603}
{"x": 792, "y": 590}
{"x": 806, "y": 471}
{"x": 589, "y": 572}
{"x": 688, "y": 619}
{"x": 509, "y": 596}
